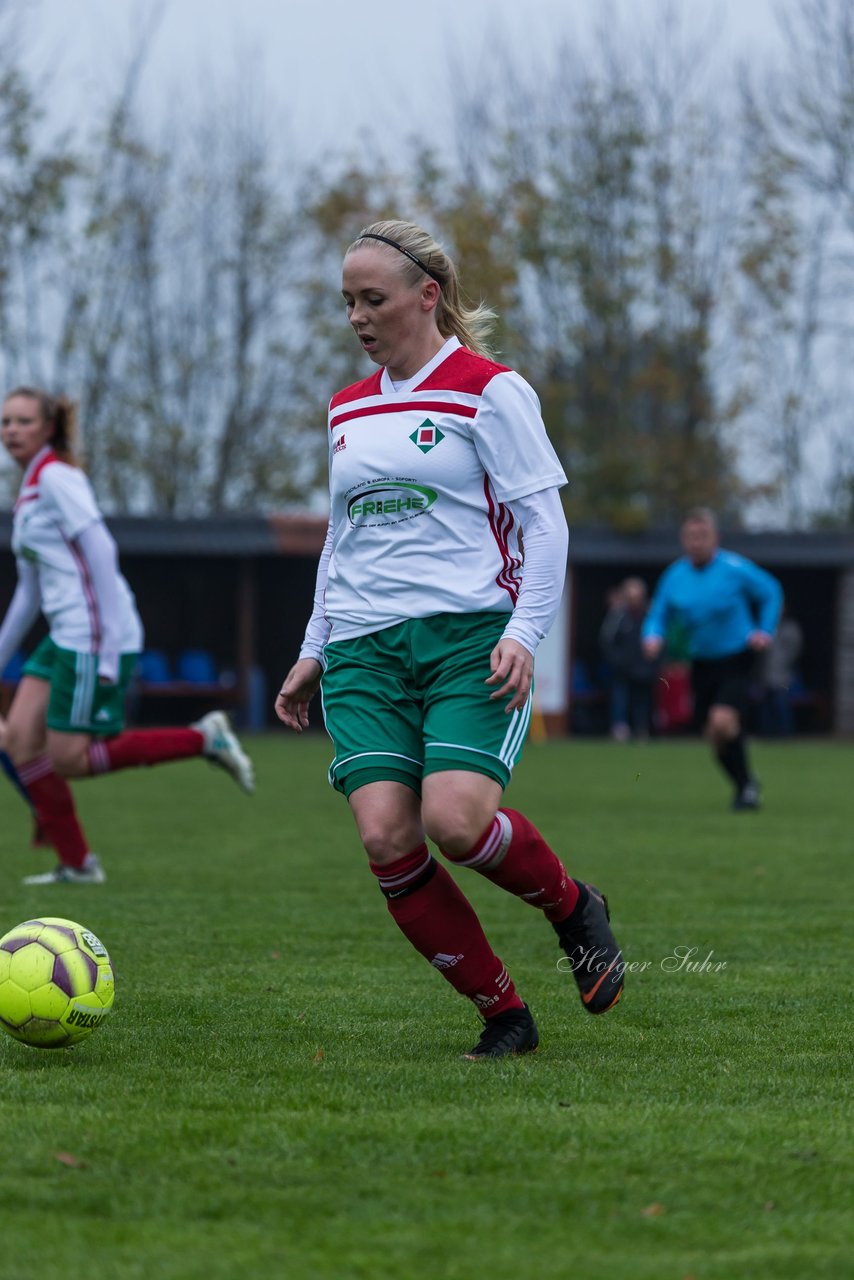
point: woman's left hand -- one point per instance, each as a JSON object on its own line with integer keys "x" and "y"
{"x": 513, "y": 670}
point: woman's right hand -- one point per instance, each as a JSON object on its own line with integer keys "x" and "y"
{"x": 300, "y": 685}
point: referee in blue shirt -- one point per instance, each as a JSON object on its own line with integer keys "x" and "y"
{"x": 728, "y": 609}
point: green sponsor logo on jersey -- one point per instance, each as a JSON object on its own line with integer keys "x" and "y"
{"x": 389, "y": 503}
{"x": 427, "y": 436}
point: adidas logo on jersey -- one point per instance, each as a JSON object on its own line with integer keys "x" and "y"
{"x": 340, "y": 443}
{"x": 444, "y": 961}
{"x": 102, "y": 716}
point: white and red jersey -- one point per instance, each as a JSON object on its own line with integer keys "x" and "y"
{"x": 420, "y": 475}
{"x": 54, "y": 507}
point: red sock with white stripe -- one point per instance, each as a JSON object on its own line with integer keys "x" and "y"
{"x": 56, "y": 815}
{"x": 512, "y": 853}
{"x": 143, "y": 747}
{"x": 431, "y": 911}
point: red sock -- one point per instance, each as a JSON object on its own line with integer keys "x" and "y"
{"x": 512, "y": 853}
{"x": 431, "y": 911}
{"x": 143, "y": 747}
{"x": 56, "y": 816}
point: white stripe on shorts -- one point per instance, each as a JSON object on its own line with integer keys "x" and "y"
{"x": 516, "y": 733}
{"x": 513, "y": 742}
{"x": 85, "y": 683}
{"x": 370, "y": 755}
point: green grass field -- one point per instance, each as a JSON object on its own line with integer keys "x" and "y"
{"x": 279, "y": 1091}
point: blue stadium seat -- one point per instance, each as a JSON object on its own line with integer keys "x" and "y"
{"x": 196, "y": 666}
{"x": 581, "y": 682}
{"x": 153, "y": 667}
{"x": 14, "y": 668}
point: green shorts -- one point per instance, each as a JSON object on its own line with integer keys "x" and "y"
{"x": 78, "y": 702}
{"x": 411, "y": 700}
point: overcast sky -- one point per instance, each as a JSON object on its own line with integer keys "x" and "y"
{"x": 335, "y": 70}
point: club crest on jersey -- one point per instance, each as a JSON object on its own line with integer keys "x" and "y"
{"x": 427, "y": 436}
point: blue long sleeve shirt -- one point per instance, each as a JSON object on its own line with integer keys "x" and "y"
{"x": 717, "y": 605}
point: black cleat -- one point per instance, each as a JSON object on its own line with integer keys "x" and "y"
{"x": 595, "y": 958}
{"x": 513, "y": 1031}
{"x": 748, "y": 797}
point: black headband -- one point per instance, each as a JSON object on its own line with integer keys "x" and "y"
{"x": 372, "y": 235}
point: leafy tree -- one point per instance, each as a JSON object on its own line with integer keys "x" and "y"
{"x": 797, "y": 258}
{"x": 684, "y": 325}
{"x": 606, "y": 194}
{"x": 35, "y": 174}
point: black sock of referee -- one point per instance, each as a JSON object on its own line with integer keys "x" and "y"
{"x": 732, "y": 756}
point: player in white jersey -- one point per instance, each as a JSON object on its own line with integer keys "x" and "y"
{"x": 67, "y": 716}
{"x": 423, "y": 478}
{"x": 442, "y": 570}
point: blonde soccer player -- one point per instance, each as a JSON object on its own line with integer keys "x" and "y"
{"x": 428, "y": 613}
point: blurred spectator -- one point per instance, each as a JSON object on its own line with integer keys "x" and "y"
{"x": 632, "y": 672}
{"x": 778, "y": 672}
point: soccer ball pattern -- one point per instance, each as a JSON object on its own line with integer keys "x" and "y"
{"x": 56, "y": 982}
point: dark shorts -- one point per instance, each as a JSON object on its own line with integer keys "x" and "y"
{"x": 721, "y": 682}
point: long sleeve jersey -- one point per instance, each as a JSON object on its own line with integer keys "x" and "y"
{"x": 717, "y": 604}
{"x": 68, "y": 569}
{"x": 429, "y": 480}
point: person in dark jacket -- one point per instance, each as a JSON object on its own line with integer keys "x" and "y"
{"x": 633, "y": 673}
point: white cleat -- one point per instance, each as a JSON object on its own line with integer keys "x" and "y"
{"x": 90, "y": 873}
{"x": 222, "y": 748}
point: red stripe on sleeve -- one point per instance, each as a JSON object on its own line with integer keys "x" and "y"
{"x": 501, "y": 523}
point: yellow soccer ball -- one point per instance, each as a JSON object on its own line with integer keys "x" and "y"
{"x": 56, "y": 982}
